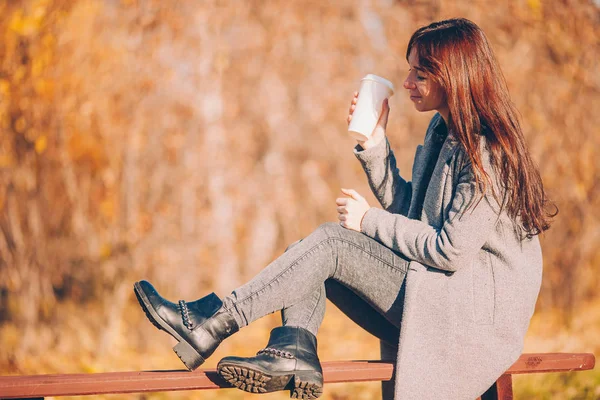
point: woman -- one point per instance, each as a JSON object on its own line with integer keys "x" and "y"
{"x": 446, "y": 274}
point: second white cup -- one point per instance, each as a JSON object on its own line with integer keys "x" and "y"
{"x": 373, "y": 90}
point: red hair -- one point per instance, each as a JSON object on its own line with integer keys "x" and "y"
{"x": 457, "y": 55}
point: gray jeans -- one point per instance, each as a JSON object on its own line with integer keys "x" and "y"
{"x": 362, "y": 277}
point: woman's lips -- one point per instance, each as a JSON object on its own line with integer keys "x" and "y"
{"x": 415, "y": 97}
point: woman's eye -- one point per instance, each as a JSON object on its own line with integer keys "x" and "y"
{"x": 421, "y": 78}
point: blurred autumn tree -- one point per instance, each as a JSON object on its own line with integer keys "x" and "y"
{"x": 190, "y": 142}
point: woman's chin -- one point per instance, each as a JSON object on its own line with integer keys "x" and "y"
{"x": 421, "y": 108}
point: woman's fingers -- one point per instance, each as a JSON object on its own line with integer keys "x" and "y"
{"x": 342, "y": 210}
{"x": 342, "y": 217}
{"x": 352, "y": 107}
{"x": 341, "y": 201}
{"x": 354, "y": 100}
{"x": 352, "y": 193}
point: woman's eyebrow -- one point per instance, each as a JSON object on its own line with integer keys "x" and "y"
{"x": 416, "y": 67}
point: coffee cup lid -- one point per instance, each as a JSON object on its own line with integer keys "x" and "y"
{"x": 372, "y": 77}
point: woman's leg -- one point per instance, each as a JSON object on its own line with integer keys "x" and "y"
{"x": 355, "y": 308}
{"x": 359, "y": 311}
{"x": 307, "y": 313}
{"x": 297, "y": 278}
{"x": 362, "y": 313}
{"x": 295, "y": 283}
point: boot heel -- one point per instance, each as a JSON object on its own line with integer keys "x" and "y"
{"x": 308, "y": 385}
{"x": 188, "y": 355}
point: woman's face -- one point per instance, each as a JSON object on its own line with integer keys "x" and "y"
{"x": 425, "y": 93}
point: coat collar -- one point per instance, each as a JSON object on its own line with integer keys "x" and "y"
{"x": 438, "y": 131}
{"x": 425, "y": 154}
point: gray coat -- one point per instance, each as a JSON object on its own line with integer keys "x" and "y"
{"x": 472, "y": 282}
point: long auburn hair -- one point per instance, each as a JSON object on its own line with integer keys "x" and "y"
{"x": 457, "y": 55}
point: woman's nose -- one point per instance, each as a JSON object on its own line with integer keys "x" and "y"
{"x": 408, "y": 84}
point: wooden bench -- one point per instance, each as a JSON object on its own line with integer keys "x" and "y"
{"x": 39, "y": 386}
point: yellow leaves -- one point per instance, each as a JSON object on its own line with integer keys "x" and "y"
{"x": 6, "y": 161}
{"x": 48, "y": 40}
{"x": 41, "y": 143}
{"x": 21, "y": 124}
{"x": 29, "y": 24}
{"x": 19, "y": 74}
{"x": 105, "y": 251}
{"x": 23, "y": 25}
{"x": 37, "y": 66}
{"x": 2, "y": 198}
{"x": 43, "y": 87}
{"x": 87, "y": 148}
{"x": 42, "y": 59}
{"x": 10, "y": 336}
{"x": 534, "y": 4}
{"x": 107, "y": 208}
{"x": 4, "y": 88}
{"x": 536, "y": 7}
{"x": 39, "y": 9}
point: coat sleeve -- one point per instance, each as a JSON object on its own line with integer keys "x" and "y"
{"x": 471, "y": 220}
{"x": 392, "y": 191}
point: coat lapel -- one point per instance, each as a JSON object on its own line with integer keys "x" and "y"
{"x": 431, "y": 213}
{"x": 424, "y": 156}
{"x": 442, "y": 176}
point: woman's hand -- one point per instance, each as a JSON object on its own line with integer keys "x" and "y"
{"x": 379, "y": 131}
{"x": 351, "y": 209}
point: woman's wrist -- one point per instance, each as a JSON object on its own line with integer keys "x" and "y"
{"x": 372, "y": 142}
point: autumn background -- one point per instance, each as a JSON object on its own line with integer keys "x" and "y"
{"x": 189, "y": 142}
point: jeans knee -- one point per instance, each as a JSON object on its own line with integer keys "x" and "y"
{"x": 293, "y": 244}
{"x": 330, "y": 229}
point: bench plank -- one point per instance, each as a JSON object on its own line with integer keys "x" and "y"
{"x": 165, "y": 380}
{"x": 35, "y": 386}
{"x": 552, "y": 362}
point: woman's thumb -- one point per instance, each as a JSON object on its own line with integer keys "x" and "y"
{"x": 385, "y": 112}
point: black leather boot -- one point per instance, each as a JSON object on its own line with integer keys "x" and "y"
{"x": 199, "y": 326}
{"x": 289, "y": 361}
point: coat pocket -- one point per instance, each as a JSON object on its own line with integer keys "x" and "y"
{"x": 484, "y": 291}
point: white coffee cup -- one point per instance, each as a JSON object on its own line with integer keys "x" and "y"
{"x": 373, "y": 90}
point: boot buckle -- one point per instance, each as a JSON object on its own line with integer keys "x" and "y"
{"x": 185, "y": 315}
{"x": 276, "y": 353}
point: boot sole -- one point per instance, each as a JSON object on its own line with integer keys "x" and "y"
{"x": 185, "y": 351}
{"x": 302, "y": 384}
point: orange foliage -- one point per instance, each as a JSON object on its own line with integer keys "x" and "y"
{"x": 191, "y": 142}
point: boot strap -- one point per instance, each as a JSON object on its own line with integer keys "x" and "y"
{"x": 185, "y": 315}
{"x": 276, "y": 352}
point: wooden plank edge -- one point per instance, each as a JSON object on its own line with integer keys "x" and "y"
{"x": 552, "y": 362}
{"x": 161, "y": 381}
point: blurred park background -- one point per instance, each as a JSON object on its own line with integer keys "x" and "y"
{"x": 189, "y": 142}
